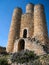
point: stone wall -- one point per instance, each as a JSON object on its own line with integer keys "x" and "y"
{"x": 14, "y": 29}
{"x": 30, "y": 8}
{"x": 40, "y": 28}
{"x": 31, "y": 45}
{"x": 27, "y": 23}
{"x": 32, "y": 24}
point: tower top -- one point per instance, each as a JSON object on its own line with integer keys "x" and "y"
{"x": 29, "y": 8}
{"x": 18, "y": 10}
{"x": 39, "y": 6}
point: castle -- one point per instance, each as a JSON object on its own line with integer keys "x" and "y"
{"x": 27, "y": 27}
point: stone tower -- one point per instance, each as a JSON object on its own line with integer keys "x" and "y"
{"x": 25, "y": 28}
{"x": 14, "y": 28}
{"x": 27, "y": 22}
{"x": 40, "y": 27}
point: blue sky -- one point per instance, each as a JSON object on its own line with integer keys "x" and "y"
{"x": 6, "y": 10}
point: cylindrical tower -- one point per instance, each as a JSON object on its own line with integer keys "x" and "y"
{"x": 40, "y": 27}
{"x": 27, "y": 26}
{"x": 30, "y": 8}
{"x": 14, "y": 29}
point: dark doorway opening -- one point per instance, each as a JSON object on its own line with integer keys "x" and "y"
{"x": 25, "y": 33}
{"x": 21, "y": 45}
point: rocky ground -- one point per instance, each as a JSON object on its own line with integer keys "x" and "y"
{"x": 25, "y": 57}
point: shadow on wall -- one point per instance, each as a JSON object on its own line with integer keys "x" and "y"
{"x": 21, "y": 45}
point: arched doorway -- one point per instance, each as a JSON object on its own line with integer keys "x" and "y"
{"x": 25, "y": 33}
{"x": 21, "y": 44}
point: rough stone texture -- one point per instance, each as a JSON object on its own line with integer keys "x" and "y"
{"x": 40, "y": 28}
{"x": 31, "y": 45}
{"x": 29, "y": 25}
{"x": 22, "y": 63}
{"x": 14, "y": 29}
{"x": 29, "y": 8}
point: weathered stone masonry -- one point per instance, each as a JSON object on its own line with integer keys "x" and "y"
{"x": 32, "y": 24}
{"x": 14, "y": 29}
{"x": 40, "y": 28}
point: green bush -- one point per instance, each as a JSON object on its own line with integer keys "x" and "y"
{"x": 3, "y": 61}
{"x": 24, "y": 57}
{"x": 37, "y": 62}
